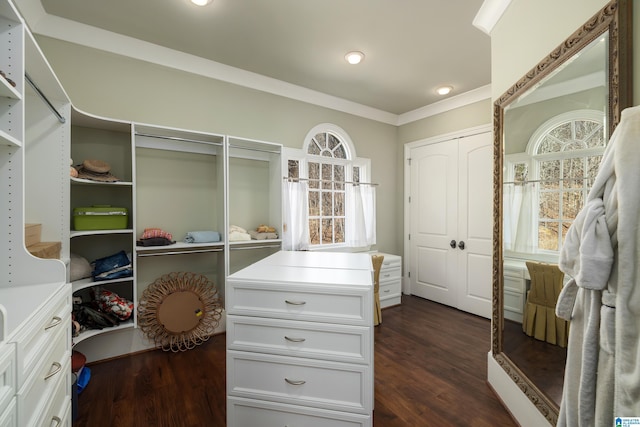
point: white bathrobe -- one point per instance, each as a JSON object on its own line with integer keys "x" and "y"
{"x": 602, "y": 299}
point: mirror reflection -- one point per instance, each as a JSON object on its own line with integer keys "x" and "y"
{"x": 554, "y": 136}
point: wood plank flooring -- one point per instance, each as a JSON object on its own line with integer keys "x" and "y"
{"x": 430, "y": 370}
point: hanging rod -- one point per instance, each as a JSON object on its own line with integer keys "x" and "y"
{"x": 254, "y": 149}
{"x": 329, "y": 180}
{"x": 527, "y": 181}
{"x": 44, "y": 98}
{"x": 177, "y": 138}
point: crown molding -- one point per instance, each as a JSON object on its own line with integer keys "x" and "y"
{"x": 85, "y": 35}
{"x": 489, "y": 14}
{"x": 470, "y": 97}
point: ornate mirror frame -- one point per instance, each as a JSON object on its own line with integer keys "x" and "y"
{"x": 615, "y": 18}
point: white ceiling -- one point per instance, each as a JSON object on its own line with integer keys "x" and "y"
{"x": 411, "y": 46}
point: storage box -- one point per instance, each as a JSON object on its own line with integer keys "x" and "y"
{"x": 32, "y": 234}
{"x": 100, "y": 217}
{"x": 49, "y": 250}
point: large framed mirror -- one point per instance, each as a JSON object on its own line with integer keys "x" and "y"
{"x": 550, "y": 129}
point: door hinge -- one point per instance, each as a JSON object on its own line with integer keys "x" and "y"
{"x": 408, "y": 274}
{"x": 409, "y": 199}
{"x": 409, "y": 236}
{"x": 409, "y": 160}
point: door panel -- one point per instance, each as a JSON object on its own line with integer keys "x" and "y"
{"x": 433, "y": 221}
{"x": 475, "y": 217}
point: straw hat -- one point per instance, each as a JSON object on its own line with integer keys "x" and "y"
{"x": 96, "y": 170}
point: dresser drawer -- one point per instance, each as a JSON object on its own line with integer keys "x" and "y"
{"x": 321, "y": 384}
{"x": 389, "y": 289}
{"x": 390, "y": 261}
{"x": 344, "y": 305}
{"x": 390, "y": 274}
{"x": 7, "y": 375}
{"x": 37, "y": 336}
{"x": 247, "y": 412}
{"x": 38, "y": 391}
{"x": 58, "y": 413}
{"x": 326, "y": 341}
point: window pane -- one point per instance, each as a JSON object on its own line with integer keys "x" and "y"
{"x": 574, "y": 145}
{"x": 294, "y": 169}
{"x": 550, "y": 174}
{"x": 562, "y": 132}
{"x": 314, "y": 203}
{"x": 339, "y": 231}
{"x": 327, "y": 203}
{"x": 596, "y": 140}
{"x": 333, "y": 142}
{"x": 338, "y": 206}
{"x": 356, "y": 174}
{"x": 314, "y": 231}
{"x": 327, "y": 176}
{"x": 339, "y": 152}
{"x": 565, "y": 228}
{"x": 548, "y": 236}
{"x": 321, "y": 140}
{"x": 549, "y": 205}
{"x": 338, "y": 177}
{"x": 572, "y": 172}
{"x": 571, "y": 204}
{"x": 549, "y": 145}
{"x": 585, "y": 129}
{"x": 327, "y": 231}
{"x": 314, "y": 175}
{"x": 521, "y": 171}
{"x": 314, "y": 147}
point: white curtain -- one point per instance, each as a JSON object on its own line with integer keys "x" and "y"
{"x": 519, "y": 227}
{"x": 361, "y": 216}
{"x": 295, "y": 232}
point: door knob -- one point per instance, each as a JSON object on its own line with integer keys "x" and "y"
{"x": 461, "y": 245}
{"x": 452, "y": 244}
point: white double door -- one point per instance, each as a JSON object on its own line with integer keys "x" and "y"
{"x": 451, "y": 222}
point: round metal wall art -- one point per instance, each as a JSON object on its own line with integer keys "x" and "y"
{"x": 179, "y": 311}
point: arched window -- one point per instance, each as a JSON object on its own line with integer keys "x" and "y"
{"x": 328, "y": 162}
{"x": 562, "y": 159}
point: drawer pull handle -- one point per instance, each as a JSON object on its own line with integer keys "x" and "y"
{"x": 56, "y": 368}
{"x": 54, "y": 322}
{"x": 295, "y": 302}
{"x": 294, "y": 382}
{"x": 387, "y": 290}
{"x": 294, "y": 339}
{"x": 387, "y": 275}
{"x": 56, "y": 420}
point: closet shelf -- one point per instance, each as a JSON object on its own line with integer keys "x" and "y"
{"x": 76, "y": 233}
{"x": 78, "y": 285}
{"x": 82, "y": 181}
{"x": 10, "y": 140}
{"x": 8, "y": 91}
{"x": 93, "y": 332}
{"x": 255, "y": 244}
{"x": 179, "y": 248}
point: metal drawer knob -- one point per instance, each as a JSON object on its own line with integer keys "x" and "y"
{"x": 294, "y": 382}
{"x": 294, "y": 339}
{"x": 56, "y": 367}
{"x": 295, "y": 302}
{"x": 54, "y": 322}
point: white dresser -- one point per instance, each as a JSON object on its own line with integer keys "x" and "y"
{"x": 35, "y": 360}
{"x": 390, "y": 280}
{"x": 300, "y": 341}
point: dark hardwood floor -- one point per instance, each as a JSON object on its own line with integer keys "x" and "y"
{"x": 430, "y": 370}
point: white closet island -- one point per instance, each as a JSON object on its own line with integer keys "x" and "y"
{"x": 300, "y": 341}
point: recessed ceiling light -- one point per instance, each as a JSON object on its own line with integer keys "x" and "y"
{"x": 201, "y": 2}
{"x": 444, "y": 90}
{"x": 354, "y": 57}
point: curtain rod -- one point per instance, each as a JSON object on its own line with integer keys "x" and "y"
{"x": 44, "y": 98}
{"x": 328, "y": 180}
{"x": 527, "y": 181}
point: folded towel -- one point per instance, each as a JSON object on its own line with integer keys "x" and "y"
{"x": 256, "y": 235}
{"x": 237, "y": 228}
{"x": 155, "y": 241}
{"x": 155, "y": 232}
{"x": 236, "y": 236}
{"x": 202, "y": 237}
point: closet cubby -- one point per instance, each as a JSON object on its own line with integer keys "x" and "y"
{"x": 180, "y": 179}
{"x": 109, "y": 141}
{"x": 254, "y": 188}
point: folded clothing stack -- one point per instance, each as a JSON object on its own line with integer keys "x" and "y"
{"x": 263, "y": 232}
{"x": 237, "y": 234}
{"x": 202, "y": 237}
{"x": 155, "y": 237}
